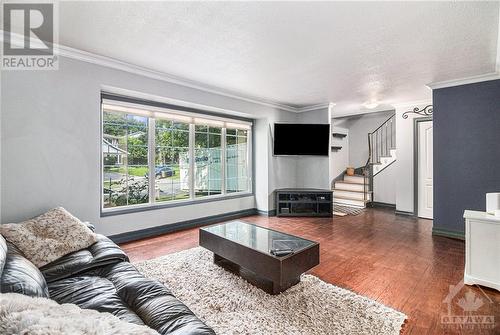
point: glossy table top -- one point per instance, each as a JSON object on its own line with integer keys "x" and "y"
{"x": 258, "y": 238}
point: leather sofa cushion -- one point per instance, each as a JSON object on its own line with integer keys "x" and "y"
{"x": 92, "y": 293}
{"x": 124, "y": 292}
{"x": 103, "y": 252}
{"x": 19, "y": 275}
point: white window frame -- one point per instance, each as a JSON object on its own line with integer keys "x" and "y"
{"x": 153, "y": 113}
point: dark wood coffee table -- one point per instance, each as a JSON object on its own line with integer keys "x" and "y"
{"x": 244, "y": 249}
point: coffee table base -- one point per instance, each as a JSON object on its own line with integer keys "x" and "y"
{"x": 264, "y": 284}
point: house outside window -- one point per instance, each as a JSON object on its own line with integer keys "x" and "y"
{"x": 146, "y": 155}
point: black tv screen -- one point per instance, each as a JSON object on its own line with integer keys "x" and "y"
{"x": 301, "y": 139}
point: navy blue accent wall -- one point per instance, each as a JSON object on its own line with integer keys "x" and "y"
{"x": 466, "y": 150}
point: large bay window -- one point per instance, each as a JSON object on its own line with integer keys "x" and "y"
{"x": 153, "y": 156}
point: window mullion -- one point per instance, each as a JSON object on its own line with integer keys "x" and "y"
{"x": 249, "y": 161}
{"x": 152, "y": 159}
{"x": 223, "y": 161}
{"x": 191, "y": 159}
{"x": 126, "y": 165}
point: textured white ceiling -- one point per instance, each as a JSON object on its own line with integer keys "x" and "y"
{"x": 295, "y": 53}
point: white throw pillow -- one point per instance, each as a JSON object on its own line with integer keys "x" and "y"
{"x": 49, "y": 236}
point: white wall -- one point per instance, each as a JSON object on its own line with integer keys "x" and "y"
{"x": 404, "y": 162}
{"x": 261, "y": 176}
{"x": 313, "y": 171}
{"x": 282, "y": 170}
{"x": 384, "y": 186}
{"x": 50, "y": 127}
{"x": 339, "y": 159}
{"x": 359, "y": 126}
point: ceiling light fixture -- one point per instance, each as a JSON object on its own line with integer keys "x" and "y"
{"x": 370, "y": 105}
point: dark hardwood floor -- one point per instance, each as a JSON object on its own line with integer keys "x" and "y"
{"x": 390, "y": 258}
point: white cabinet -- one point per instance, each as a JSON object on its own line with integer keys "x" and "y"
{"x": 482, "y": 249}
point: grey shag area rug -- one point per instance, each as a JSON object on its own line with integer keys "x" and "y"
{"x": 230, "y": 305}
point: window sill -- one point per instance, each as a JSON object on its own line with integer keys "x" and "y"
{"x": 179, "y": 203}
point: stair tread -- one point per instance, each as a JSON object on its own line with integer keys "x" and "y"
{"x": 341, "y": 190}
{"x": 350, "y": 205}
{"x": 355, "y": 176}
{"x": 349, "y": 198}
{"x": 350, "y": 182}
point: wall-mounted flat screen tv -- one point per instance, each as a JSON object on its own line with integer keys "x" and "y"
{"x": 301, "y": 139}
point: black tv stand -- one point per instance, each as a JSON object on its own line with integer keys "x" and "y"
{"x": 304, "y": 202}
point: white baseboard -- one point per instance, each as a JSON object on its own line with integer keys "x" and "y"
{"x": 469, "y": 280}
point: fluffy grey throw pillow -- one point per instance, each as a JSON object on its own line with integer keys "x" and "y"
{"x": 49, "y": 236}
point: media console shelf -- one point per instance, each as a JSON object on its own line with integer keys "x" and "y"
{"x": 304, "y": 202}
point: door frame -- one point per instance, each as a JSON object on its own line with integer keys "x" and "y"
{"x": 416, "y": 121}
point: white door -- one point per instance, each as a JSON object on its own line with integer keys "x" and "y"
{"x": 425, "y": 184}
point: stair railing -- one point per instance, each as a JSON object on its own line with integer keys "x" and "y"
{"x": 380, "y": 143}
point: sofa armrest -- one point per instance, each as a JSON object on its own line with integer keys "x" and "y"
{"x": 3, "y": 253}
{"x": 19, "y": 275}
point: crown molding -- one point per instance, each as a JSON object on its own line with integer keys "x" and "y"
{"x": 314, "y": 107}
{"x": 412, "y": 103}
{"x": 112, "y": 63}
{"x": 109, "y": 62}
{"x": 362, "y": 112}
{"x": 464, "y": 81}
